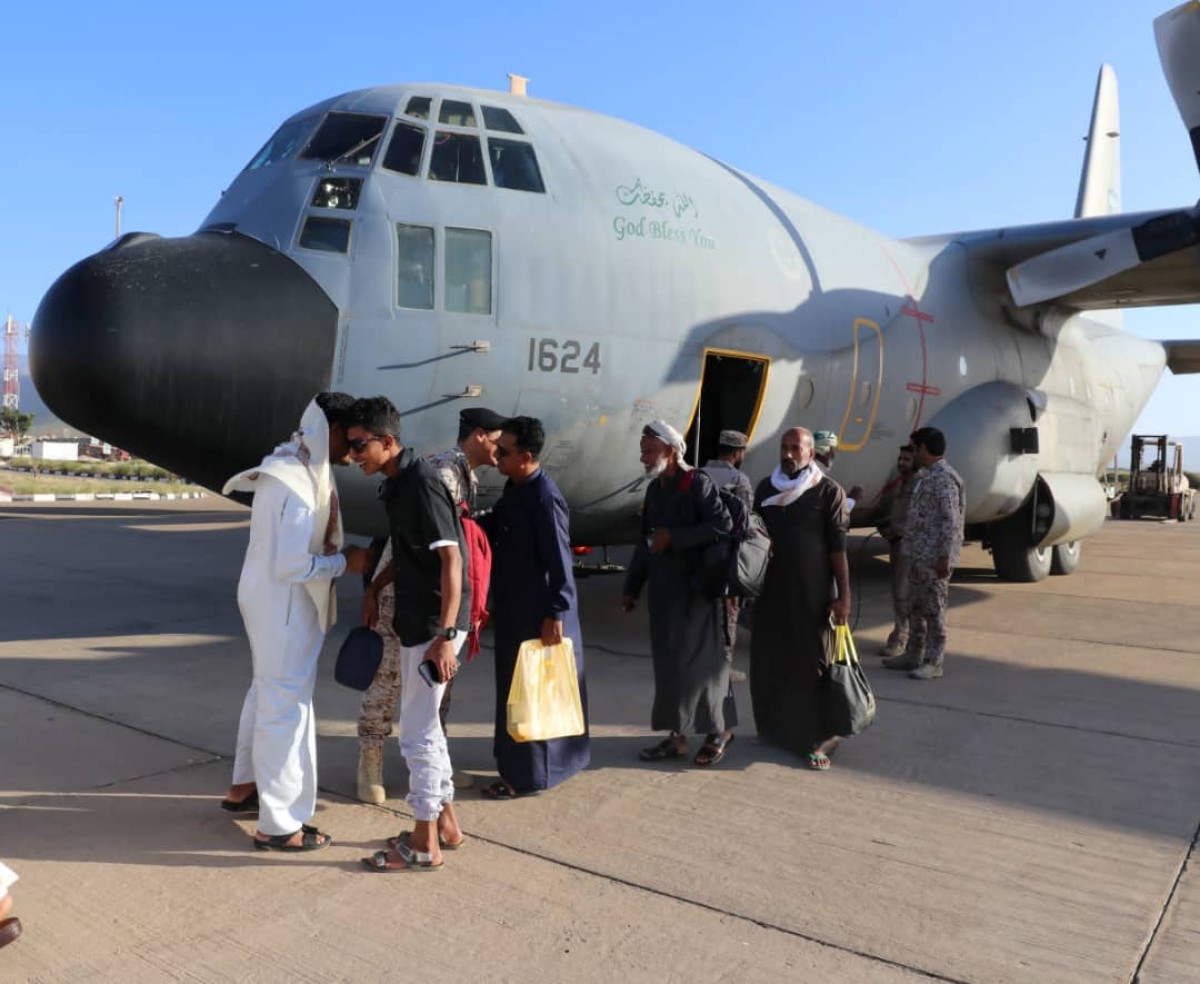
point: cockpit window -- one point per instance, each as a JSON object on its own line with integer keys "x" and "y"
{"x": 457, "y": 157}
{"x": 326, "y": 235}
{"x": 405, "y": 149}
{"x": 468, "y": 271}
{"x": 457, "y": 113}
{"x": 514, "y": 165}
{"x": 346, "y": 138}
{"x": 415, "y": 281}
{"x": 495, "y": 118}
{"x": 288, "y": 139}
{"x": 418, "y": 107}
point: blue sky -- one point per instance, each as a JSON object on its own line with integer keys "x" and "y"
{"x": 913, "y": 118}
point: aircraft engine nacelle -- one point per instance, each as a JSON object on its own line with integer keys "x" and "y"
{"x": 1028, "y": 464}
{"x": 1066, "y": 507}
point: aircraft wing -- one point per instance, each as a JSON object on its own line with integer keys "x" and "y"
{"x": 1143, "y": 259}
{"x": 1105, "y": 260}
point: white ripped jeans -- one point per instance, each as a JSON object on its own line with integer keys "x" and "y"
{"x": 422, "y": 741}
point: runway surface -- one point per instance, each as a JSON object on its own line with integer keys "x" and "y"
{"x": 1031, "y": 817}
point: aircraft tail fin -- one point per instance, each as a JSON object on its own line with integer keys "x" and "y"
{"x": 1100, "y": 181}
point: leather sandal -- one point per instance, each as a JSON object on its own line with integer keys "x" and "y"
{"x": 410, "y": 860}
{"x": 247, "y": 805}
{"x": 713, "y": 750}
{"x": 312, "y": 840}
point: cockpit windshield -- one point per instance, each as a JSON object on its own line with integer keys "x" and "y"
{"x": 288, "y": 139}
{"x": 346, "y": 138}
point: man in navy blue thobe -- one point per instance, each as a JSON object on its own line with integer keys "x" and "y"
{"x": 533, "y": 596}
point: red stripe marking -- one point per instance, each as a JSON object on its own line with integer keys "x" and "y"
{"x": 924, "y": 390}
{"x": 915, "y": 312}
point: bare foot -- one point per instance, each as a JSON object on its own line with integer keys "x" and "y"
{"x": 424, "y": 839}
{"x": 239, "y": 791}
{"x": 447, "y": 827}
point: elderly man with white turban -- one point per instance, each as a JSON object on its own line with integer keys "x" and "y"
{"x": 681, "y": 517}
{"x": 286, "y": 598}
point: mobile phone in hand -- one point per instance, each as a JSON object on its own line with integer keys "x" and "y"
{"x": 429, "y": 672}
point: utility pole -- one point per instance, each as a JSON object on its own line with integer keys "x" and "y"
{"x": 12, "y": 378}
{"x": 119, "y": 202}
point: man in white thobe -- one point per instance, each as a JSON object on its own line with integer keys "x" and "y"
{"x": 286, "y": 598}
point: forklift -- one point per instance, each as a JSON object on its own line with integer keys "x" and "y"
{"x": 1158, "y": 488}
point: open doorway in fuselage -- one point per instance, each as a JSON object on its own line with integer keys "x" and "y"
{"x": 732, "y": 387}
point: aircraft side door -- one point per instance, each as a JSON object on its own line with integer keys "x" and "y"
{"x": 866, "y": 384}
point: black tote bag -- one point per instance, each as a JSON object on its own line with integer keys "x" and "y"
{"x": 850, "y": 703}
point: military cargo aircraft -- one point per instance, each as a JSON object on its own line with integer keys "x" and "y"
{"x": 450, "y": 247}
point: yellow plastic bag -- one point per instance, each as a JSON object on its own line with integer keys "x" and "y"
{"x": 543, "y": 701}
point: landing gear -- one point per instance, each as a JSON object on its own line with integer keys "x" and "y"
{"x": 1012, "y": 555}
{"x": 1066, "y": 557}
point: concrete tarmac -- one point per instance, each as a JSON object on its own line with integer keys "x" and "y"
{"x": 1031, "y": 817}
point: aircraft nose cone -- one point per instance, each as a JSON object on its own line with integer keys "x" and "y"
{"x": 198, "y": 354}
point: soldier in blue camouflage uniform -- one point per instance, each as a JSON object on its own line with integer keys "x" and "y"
{"x": 932, "y": 539}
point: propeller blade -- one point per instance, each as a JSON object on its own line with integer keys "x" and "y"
{"x": 1178, "y": 35}
{"x": 1078, "y": 265}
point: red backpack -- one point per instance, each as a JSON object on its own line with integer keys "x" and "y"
{"x": 479, "y": 573}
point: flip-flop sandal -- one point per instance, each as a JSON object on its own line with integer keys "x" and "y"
{"x": 819, "y": 761}
{"x": 404, "y": 838}
{"x": 10, "y": 929}
{"x": 712, "y": 751}
{"x": 312, "y": 840}
{"x": 247, "y": 805}
{"x": 416, "y": 861}
{"x": 503, "y": 791}
{"x": 665, "y": 749}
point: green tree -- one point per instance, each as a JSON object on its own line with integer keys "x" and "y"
{"x": 16, "y": 423}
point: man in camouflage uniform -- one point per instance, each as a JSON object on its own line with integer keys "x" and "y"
{"x": 897, "y": 495}
{"x": 932, "y": 539}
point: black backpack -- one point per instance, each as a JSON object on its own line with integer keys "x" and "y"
{"x": 748, "y": 549}
{"x": 736, "y": 565}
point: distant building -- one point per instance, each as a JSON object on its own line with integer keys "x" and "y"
{"x": 47, "y": 450}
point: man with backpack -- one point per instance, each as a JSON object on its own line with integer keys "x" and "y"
{"x": 725, "y": 471}
{"x": 682, "y": 517}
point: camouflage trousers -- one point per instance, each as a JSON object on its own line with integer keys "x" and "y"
{"x": 927, "y": 597}
{"x": 897, "y": 641}
{"x": 383, "y": 696}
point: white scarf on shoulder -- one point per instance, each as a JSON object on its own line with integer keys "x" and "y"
{"x": 302, "y": 465}
{"x": 790, "y": 489}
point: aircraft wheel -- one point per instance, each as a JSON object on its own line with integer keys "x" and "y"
{"x": 1013, "y": 557}
{"x": 1065, "y": 557}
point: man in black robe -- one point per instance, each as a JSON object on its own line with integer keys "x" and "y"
{"x": 681, "y": 517}
{"x": 807, "y": 583}
{"x": 533, "y": 596}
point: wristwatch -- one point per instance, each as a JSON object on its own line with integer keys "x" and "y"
{"x": 450, "y": 632}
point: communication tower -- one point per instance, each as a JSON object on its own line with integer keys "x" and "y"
{"x": 12, "y": 375}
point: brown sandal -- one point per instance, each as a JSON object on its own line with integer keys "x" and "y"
{"x": 713, "y": 750}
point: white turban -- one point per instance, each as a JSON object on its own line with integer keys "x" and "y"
{"x": 664, "y": 432}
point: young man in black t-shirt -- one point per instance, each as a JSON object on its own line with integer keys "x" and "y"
{"x": 433, "y": 603}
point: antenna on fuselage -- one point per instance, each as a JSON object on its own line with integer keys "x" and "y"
{"x": 517, "y": 84}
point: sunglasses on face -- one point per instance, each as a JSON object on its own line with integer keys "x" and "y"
{"x": 359, "y": 444}
{"x": 503, "y": 452}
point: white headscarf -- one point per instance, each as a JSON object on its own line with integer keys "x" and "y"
{"x": 669, "y": 436}
{"x": 303, "y": 466}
